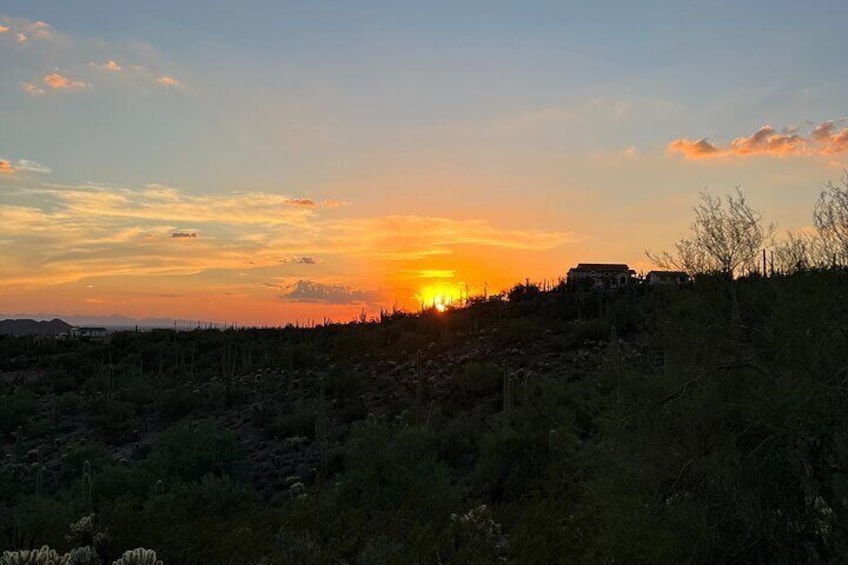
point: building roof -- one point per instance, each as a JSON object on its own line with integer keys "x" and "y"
{"x": 618, "y": 267}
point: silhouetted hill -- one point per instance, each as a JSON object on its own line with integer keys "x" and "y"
{"x": 654, "y": 424}
{"x": 33, "y": 327}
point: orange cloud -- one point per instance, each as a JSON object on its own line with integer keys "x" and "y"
{"x": 166, "y": 80}
{"x": 768, "y": 141}
{"x": 32, "y": 89}
{"x": 694, "y": 149}
{"x": 334, "y": 203}
{"x": 60, "y": 82}
{"x": 4, "y": 29}
{"x": 829, "y": 139}
{"x": 6, "y": 167}
{"x": 824, "y": 139}
{"x": 110, "y": 65}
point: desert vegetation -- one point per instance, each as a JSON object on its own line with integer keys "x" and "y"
{"x": 699, "y": 424}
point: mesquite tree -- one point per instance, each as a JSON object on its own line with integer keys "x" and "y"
{"x": 726, "y": 238}
{"x": 831, "y": 220}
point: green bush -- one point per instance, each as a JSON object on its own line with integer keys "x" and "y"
{"x": 481, "y": 379}
{"x": 189, "y": 450}
{"x": 15, "y": 410}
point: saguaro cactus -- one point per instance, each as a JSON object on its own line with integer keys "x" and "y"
{"x": 87, "y": 485}
{"x": 321, "y": 425}
{"x": 507, "y": 399}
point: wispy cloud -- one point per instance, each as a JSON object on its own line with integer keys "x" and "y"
{"x": 23, "y": 30}
{"x": 111, "y": 66}
{"x": 166, "y": 80}
{"x": 311, "y": 291}
{"x": 32, "y": 89}
{"x": 826, "y": 138}
{"x": 184, "y": 234}
{"x": 299, "y": 260}
{"x": 32, "y": 166}
{"x": 77, "y": 232}
{"x": 159, "y": 203}
{"x": 300, "y": 202}
{"x": 22, "y": 165}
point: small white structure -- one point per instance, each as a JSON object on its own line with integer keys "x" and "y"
{"x": 87, "y": 333}
{"x": 608, "y": 276}
{"x": 667, "y": 277}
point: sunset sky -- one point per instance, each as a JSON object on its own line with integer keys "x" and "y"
{"x": 270, "y": 161}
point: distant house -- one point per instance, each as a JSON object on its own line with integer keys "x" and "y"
{"x": 601, "y": 275}
{"x": 87, "y": 333}
{"x": 667, "y": 277}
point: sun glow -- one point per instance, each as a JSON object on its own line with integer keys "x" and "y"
{"x": 440, "y": 297}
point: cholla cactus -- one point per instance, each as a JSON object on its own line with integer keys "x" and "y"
{"x": 83, "y": 556}
{"x": 83, "y": 533}
{"x": 478, "y": 527}
{"x": 138, "y": 556}
{"x": 81, "y": 529}
{"x": 43, "y": 556}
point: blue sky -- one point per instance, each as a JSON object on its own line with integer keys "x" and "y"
{"x": 526, "y": 135}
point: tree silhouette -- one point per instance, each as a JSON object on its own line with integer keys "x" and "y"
{"x": 726, "y": 238}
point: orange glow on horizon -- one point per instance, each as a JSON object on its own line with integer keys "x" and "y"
{"x": 441, "y": 297}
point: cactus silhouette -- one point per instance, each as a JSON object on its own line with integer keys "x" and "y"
{"x": 83, "y": 556}
{"x": 87, "y": 485}
{"x": 138, "y": 556}
{"x": 43, "y": 556}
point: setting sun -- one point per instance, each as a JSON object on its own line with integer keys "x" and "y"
{"x": 441, "y": 297}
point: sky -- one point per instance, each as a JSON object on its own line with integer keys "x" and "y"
{"x": 268, "y": 162}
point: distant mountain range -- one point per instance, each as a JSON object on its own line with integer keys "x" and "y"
{"x": 34, "y": 327}
{"x": 112, "y": 322}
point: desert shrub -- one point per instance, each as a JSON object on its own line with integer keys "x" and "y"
{"x": 590, "y": 330}
{"x": 211, "y": 496}
{"x": 34, "y": 521}
{"x": 509, "y": 462}
{"x": 71, "y": 470}
{"x": 189, "y": 450}
{"x": 139, "y": 392}
{"x": 346, "y": 385}
{"x": 519, "y": 330}
{"x": 480, "y": 378}
{"x": 300, "y": 421}
{"x": 114, "y": 481}
{"x": 15, "y": 410}
{"x": 60, "y": 380}
{"x": 355, "y": 342}
{"x": 175, "y": 404}
{"x": 396, "y": 469}
{"x": 114, "y": 419}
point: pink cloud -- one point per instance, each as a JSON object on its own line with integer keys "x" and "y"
{"x": 824, "y": 139}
